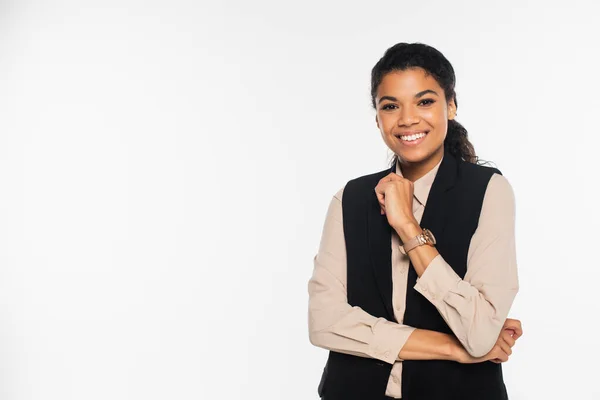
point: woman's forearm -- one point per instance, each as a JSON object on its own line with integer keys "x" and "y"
{"x": 423, "y": 344}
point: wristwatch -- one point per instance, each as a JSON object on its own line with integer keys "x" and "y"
{"x": 425, "y": 237}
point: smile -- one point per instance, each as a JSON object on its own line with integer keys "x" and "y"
{"x": 412, "y": 140}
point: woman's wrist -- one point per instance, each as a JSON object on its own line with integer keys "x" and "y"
{"x": 408, "y": 230}
{"x": 424, "y": 344}
{"x": 457, "y": 351}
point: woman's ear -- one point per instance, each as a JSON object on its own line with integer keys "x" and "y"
{"x": 451, "y": 109}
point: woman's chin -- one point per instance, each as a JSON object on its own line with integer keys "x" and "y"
{"x": 417, "y": 154}
{"x": 411, "y": 155}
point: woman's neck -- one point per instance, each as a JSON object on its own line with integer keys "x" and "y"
{"x": 414, "y": 171}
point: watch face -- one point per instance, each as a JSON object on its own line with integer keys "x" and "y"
{"x": 430, "y": 234}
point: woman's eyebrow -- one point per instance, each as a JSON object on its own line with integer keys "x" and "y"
{"x": 418, "y": 95}
{"x": 424, "y": 92}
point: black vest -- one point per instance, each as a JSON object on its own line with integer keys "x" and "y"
{"x": 452, "y": 214}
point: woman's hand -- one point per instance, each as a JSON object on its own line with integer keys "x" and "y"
{"x": 509, "y": 334}
{"x": 503, "y": 347}
{"x": 513, "y": 325}
{"x": 498, "y": 354}
{"x": 395, "y": 196}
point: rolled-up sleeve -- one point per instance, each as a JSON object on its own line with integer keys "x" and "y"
{"x": 333, "y": 323}
{"x": 476, "y": 307}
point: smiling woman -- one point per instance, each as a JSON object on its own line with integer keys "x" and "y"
{"x": 416, "y": 270}
{"x": 413, "y": 122}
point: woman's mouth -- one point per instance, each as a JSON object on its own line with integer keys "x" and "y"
{"x": 413, "y": 139}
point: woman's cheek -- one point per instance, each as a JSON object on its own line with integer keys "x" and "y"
{"x": 429, "y": 115}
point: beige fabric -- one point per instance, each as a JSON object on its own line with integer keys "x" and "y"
{"x": 474, "y": 308}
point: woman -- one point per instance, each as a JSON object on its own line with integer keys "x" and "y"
{"x": 416, "y": 270}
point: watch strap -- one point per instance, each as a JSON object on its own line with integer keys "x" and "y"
{"x": 419, "y": 240}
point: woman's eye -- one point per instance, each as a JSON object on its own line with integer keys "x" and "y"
{"x": 387, "y": 107}
{"x": 431, "y": 101}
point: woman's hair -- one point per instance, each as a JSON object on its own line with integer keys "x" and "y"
{"x": 403, "y": 56}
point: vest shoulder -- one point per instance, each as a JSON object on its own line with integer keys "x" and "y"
{"x": 369, "y": 179}
{"x": 362, "y": 186}
{"x": 479, "y": 169}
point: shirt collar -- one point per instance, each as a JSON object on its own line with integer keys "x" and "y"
{"x": 422, "y": 186}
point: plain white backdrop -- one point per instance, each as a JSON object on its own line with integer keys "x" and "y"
{"x": 165, "y": 169}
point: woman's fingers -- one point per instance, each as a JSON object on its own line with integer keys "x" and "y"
{"x": 499, "y": 352}
{"x": 503, "y": 357}
{"x": 505, "y": 346}
{"x": 380, "y": 190}
{"x": 515, "y": 325}
{"x": 382, "y": 185}
{"x": 507, "y": 337}
{"x": 518, "y": 332}
{"x": 381, "y": 200}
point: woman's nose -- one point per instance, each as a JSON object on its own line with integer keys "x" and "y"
{"x": 407, "y": 116}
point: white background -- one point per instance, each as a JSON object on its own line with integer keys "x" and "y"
{"x": 165, "y": 169}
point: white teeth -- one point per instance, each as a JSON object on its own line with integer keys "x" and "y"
{"x": 410, "y": 138}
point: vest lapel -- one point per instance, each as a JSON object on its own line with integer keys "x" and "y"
{"x": 379, "y": 237}
{"x": 440, "y": 196}
{"x": 380, "y": 232}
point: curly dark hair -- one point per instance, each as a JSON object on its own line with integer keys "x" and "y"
{"x": 403, "y": 56}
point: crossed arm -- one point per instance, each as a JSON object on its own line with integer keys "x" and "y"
{"x": 475, "y": 307}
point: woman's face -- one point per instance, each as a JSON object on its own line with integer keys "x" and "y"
{"x": 408, "y": 103}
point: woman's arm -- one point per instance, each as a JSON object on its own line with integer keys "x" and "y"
{"x": 476, "y": 307}
{"x": 430, "y": 345}
{"x": 333, "y": 323}
{"x": 336, "y": 325}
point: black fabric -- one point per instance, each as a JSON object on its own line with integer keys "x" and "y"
{"x": 452, "y": 214}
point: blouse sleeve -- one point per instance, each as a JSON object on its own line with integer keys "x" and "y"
{"x": 333, "y": 323}
{"x": 476, "y": 307}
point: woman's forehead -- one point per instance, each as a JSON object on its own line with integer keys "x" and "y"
{"x": 407, "y": 83}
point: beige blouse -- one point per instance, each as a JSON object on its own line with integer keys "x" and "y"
{"x": 475, "y": 307}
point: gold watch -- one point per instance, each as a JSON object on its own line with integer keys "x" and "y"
{"x": 425, "y": 237}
